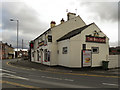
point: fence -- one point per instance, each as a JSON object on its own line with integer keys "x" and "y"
{"x": 114, "y": 61}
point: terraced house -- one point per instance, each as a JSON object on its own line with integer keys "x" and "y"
{"x": 72, "y": 43}
{"x": 6, "y": 51}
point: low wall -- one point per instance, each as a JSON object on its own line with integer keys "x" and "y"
{"x": 114, "y": 61}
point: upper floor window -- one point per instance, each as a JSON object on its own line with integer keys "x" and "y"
{"x": 95, "y": 50}
{"x": 65, "y": 50}
{"x": 49, "y": 38}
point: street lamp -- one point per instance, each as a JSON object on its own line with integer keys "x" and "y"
{"x": 17, "y": 32}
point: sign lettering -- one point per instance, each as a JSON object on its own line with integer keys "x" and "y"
{"x": 96, "y": 39}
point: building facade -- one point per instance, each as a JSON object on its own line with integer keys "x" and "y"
{"x": 6, "y": 51}
{"x": 68, "y": 43}
{"x": 114, "y": 50}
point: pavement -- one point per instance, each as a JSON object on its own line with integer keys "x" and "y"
{"x": 94, "y": 71}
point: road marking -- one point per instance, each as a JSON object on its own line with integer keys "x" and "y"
{"x": 57, "y": 78}
{"x": 69, "y": 73}
{"x": 17, "y": 84}
{"x": 33, "y": 69}
{"x": 8, "y": 71}
{"x": 13, "y": 76}
{"x": 54, "y": 78}
{"x": 69, "y": 80}
{"x": 86, "y": 74}
{"x": 109, "y": 84}
{"x": 16, "y": 66}
{"x": 43, "y": 76}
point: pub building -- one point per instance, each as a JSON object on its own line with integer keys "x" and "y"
{"x": 72, "y": 43}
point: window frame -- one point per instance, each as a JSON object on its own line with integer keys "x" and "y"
{"x": 65, "y": 50}
{"x": 97, "y": 48}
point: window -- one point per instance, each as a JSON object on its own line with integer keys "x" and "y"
{"x": 48, "y": 55}
{"x": 57, "y": 51}
{"x": 32, "y": 54}
{"x": 45, "y": 55}
{"x": 64, "y": 50}
{"x": 95, "y": 50}
{"x": 49, "y": 38}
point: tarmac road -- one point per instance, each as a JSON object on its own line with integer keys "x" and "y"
{"x": 17, "y": 77}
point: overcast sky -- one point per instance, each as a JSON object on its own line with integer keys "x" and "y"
{"x": 35, "y": 16}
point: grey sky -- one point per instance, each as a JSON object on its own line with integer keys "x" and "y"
{"x": 107, "y": 11}
{"x": 29, "y": 24}
{"x": 35, "y": 17}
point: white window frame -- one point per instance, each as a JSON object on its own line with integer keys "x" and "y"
{"x": 64, "y": 50}
{"x": 95, "y": 48}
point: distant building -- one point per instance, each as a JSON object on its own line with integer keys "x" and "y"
{"x": 114, "y": 50}
{"x": 6, "y": 51}
{"x": 21, "y": 53}
{"x": 72, "y": 43}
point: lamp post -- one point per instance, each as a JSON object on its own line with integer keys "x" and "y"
{"x": 17, "y": 32}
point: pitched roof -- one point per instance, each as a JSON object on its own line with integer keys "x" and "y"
{"x": 73, "y": 33}
{"x": 42, "y": 34}
{"x": 53, "y": 27}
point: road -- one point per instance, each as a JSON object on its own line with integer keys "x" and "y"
{"x": 17, "y": 77}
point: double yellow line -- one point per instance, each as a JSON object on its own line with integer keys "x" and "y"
{"x": 17, "y": 84}
{"x": 38, "y": 88}
{"x": 93, "y": 75}
{"x": 24, "y": 86}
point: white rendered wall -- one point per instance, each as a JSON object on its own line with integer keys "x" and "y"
{"x": 63, "y": 59}
{"x": 103, "y": 47}
{"x": 75, "y": 48}
{"x": 75, "y": 53}
{"x": 61, "y": 30}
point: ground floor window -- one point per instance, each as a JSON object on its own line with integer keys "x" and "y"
{"x": 37, "y": 55}
{"x": 46, "y": 55}
{"x": 95, "y": 50}
{"x": 64, "y": 51}
{"x": 32, "y": 54}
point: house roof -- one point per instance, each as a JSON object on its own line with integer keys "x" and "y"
{"x": 6, "y": 44}
{"x": 42, "y": 34}
{"x": 73, "y": 33}
{"x": 53, "y": 27}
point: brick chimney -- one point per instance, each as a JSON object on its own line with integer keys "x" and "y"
{"x": 70, "y": 15}
{"x": 52, "y": 24}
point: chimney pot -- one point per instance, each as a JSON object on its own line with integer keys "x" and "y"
{"x": 53, "y": 23}
{"x": 62, "y": 21}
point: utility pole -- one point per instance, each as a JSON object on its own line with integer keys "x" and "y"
{"x": 22, "y": 47}
{"x": 22, "y": 44}
{"x": 17, "y": 32}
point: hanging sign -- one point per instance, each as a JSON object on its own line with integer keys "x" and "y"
{"x": 96, "y": 39}
{"x": 31, "y": 44}
{"x": 87, "y": 58}
{"x": 41, "y": 43}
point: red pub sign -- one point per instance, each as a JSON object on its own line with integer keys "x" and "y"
{"x": 96, "y": 39}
